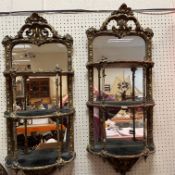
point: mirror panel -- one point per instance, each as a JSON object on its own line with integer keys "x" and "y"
{"x": 116, "y": 84}
{"x": 19, "y": 87}
{"x": 128, "y": 48}
{"x": 44, "y": 58}
{"x": 41, "y": 93}
{"x": 42, "y": 134}
{"x": 119, "y": 124}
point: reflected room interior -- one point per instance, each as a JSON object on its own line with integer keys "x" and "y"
{"x": 44, "y": 95}
{"x": 114, "y": 85}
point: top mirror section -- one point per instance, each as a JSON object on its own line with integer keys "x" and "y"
{"x": 45, "y": 58}
{"x": 111, "y": 48}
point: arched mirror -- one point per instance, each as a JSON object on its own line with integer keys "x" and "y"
{"x": 40, "y": 109}
{"x": 120, "y": 90}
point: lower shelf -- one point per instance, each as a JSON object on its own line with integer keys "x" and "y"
{"x": 39, "y": 161}
{"x": 119, "y": 147}
{"x": 122, "y": 155}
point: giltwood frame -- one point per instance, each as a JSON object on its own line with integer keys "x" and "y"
{"x": 122, "y": 17}
{"x": 37, "y": 31}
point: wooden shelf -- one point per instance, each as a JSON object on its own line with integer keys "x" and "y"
{"x": 127, "y": 63}
{"x": 129, "y": 104}
{"x": 58, "y": 114}
{"x": 31, "y": 73}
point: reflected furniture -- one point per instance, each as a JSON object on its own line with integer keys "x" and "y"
{"x": 120, "y": 100}
{"x": 38, "y": 128}
{"x": 40, "y": 112}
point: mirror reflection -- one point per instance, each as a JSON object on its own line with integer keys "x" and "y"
{"x": 115, "y": 84}
{"x": 48, "y": 92}
{"x": 128, "y": 48}
{"x": 42, "y": 134}
{"x": 40, "y": 95}
{"x": 40, "y": 141}
{"x": 26, "y": 57}
{"x": 119, "y": 124}
{"x": 118, "y": 94}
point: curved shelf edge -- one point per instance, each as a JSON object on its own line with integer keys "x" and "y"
{"x": 121, "y": 163}
{"x": 37, "y": 73}
{"x": 12, "y": 115}
{"x": 119, "y": 105}
{"x": 119, "y": 63}
{"x": 41, "y": 170}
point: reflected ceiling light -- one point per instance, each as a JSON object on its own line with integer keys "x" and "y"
{"x": 119, "y": 40}
{"x": 21, "y": 60}
{"x": 24, "y": 46}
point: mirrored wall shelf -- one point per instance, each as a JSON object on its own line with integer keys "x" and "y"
{"x": 39, "y": 98}
{"x": 120, "y": 90}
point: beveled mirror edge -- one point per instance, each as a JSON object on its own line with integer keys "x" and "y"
{"x": 121, "y": 17}
{"x": 37, "y": 31}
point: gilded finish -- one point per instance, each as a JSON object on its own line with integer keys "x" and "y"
{"x": 122, "y": 17}
{"x": 37, "y": 31}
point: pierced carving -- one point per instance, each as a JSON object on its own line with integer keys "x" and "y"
{"x": 36, "y": 28}
{"x": 122, "y": 17}
{"x": 123, "y": 9}
{"x": 37, "y": 31}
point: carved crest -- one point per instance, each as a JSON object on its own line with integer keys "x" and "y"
{"x": 37, "y": 30}
{"x": 126, "y": 24}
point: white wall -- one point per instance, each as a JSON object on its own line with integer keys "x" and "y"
{"x": 162, "y": 162}
{"x": 17, "y": 5}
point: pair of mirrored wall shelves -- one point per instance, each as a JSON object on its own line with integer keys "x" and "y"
{"x": 39, "y": 96}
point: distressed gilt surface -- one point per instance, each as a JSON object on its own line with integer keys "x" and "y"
{"x": 37, "y": 31}
{"x": 122, "y": 17}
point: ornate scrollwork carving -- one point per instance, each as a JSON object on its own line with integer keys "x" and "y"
{"x": 122, "y": 17}
{"x": 124, "y": 23}
{"x": 36, "y": 30}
